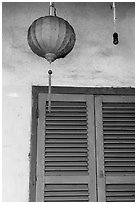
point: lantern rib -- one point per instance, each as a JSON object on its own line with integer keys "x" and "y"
{"x": 65, "y": 41}
{"x": 35, "y": 39}
{"x": 33, "y": 43}
{"x": 54, "y": 31}
{"x": 61, "y": 34}
{"x": 67, "y": 44}
{"x": 38, "y": 32}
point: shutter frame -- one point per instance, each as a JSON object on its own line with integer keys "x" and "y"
{"x": 40, "y": 149}
{"x": 41, "y": 178}
{"x": 109, "y": 180}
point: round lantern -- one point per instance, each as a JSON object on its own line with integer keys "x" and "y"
{"x": 51, "y": 37}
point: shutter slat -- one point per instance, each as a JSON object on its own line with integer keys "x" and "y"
{"x": 66, "y": 154}
{"x": 114, "y": 116}
{"x": 125, "y": 193}
{"x": 65, "y": 163}
{"x": 65, "y": 114}
{"x": 65, "y": 118}
{"x": 119, "y": 169}
{"x": 121, "y": 128}
{"x": 118, "y": 104}
{"x": 121, "y": 137}
{"x": 114, "y": 125}
{"x": 109, "y": 150}
{"x": 115, "y": 111}
{"x": 119, "y": 163}
{"x": 120, "y": 187}
{"x": 120, "y": 199}
{"x": 119, "y": 145}
{"x": 66, "y": 199}
{"x": 64, "y": 159}
{"x": 113, "y": 120}
{"x": 62, "y": 103}
{"x": 82, "y": 173}
{"x": 54, "y": 194}
{"x": 65, "y": 150}
{"x": 118, "y": 141}
{"x": 68, "y": 123}
{"x": 75, "y": 111}
{"x": 119, "y": 154}
{"x": 66, "y": 136}
{"x": 119, "y": 159}
{"x": 65, "y": 132}
{"x": 69, "y": 145}
{"x": 62, "y": 127}
{"x": 117, "y": 133}
{"x": 66, "y": 168}
{"x": 61, "y": 141}
{"x": 112, "y": 108}
{"x": 68, "y": 107}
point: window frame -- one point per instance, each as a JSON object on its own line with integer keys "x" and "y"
{"x": 34, "y": 119}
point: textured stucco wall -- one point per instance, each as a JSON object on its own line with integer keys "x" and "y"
{"x": 94, "y": 62}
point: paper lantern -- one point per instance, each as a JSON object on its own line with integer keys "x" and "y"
{"x": 51, "y": 37}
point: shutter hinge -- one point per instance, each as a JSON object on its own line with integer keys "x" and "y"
{"x": 34, "y": 180}
{"x": 35, "y": 175}
{"x": 101, "y": 174}
{"x": 37, "y": 113}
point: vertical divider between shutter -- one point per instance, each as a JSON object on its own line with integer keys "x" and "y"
{"x": 40, "y": 148}
{"x": 91, "y": 148}
{"x": 100, "y": 149}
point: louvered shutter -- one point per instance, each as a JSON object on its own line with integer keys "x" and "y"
{"x": 115, "y": 139}
{"x": 66, "y": 149}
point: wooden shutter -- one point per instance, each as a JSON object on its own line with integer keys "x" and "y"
{"x": 66, "y": 149}
{"x": 115, "y": 133}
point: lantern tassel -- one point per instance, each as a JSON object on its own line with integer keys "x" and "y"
{"x": 49, "y": 91}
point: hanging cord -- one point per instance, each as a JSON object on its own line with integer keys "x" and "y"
{"x": 52, "y": 9}
{"x": 114, "y": 16}
{"x": 115, "y": 34}
{"x": 52, "y": 12}
{"x": 49, "y": 91}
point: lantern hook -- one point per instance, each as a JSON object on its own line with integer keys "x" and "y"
{"x": 52, "y": 9}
